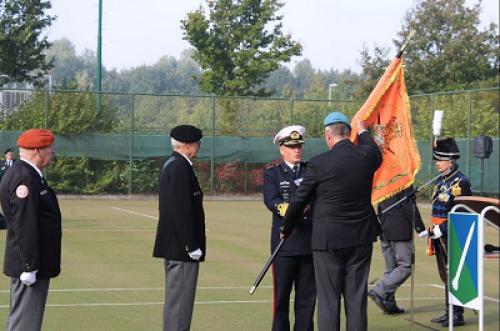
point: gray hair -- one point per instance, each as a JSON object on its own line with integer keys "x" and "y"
{"x": 175, "y": 143}
{"x": 339, "y": 130}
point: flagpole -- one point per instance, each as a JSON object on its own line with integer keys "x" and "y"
{"x": 412, "y": 269}
{"x": 403, "y": 47}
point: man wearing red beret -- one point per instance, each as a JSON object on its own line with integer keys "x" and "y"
{"x": 33, "y": 245}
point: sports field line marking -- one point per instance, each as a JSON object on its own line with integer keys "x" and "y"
{"x": 134, "y": 212}
{"x": 485, "y": 297}
{"x": 203, "y": 288}
{"x": 151, "y": 303}
{"x": 140, "y": 214}
{"x": 131, "y": 289}
{"x": 109, "y": 230}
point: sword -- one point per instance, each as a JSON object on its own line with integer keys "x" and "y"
{"x": 455, "y": 280}
{"x": 266, "y": 267}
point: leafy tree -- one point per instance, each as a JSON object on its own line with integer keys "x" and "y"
{"x": 238, "y": 44}
{"x": 22, "y": 44}
{"x": 448, "y": 49}
{"x": 68, "y": 65}
{"x": 447, "y": 52}
{"x": 373, "y": 66}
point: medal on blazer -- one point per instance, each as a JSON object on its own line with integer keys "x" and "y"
{"x": 443, "y": 197}
{"x": 456, "y": 190}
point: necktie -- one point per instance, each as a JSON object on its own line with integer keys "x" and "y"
{"x": 295, "y": 171}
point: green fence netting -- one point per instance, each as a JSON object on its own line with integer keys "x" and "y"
{"x": 243, "y": 150}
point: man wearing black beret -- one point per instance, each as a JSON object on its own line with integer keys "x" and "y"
{"x": 180, "y": 235}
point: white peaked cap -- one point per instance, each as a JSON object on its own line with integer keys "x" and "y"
{"x": 286, "y": 131}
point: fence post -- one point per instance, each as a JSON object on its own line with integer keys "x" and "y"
{"x": 431, "y": 108}
{"x": 131, "y": 143}
{"x": 46, "y": 108}
{"x": 469, "y": 133}
{"x": 212, "y": 147}
{"x": 245, "y": 179}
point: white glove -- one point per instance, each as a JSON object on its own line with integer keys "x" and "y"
{"x": 196, "y": 255}
{"x": 437, "y": 232}
{"x": 28, "y": 278}
{"x": 424, "y": 234}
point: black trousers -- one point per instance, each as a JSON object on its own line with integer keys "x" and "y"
{"x": 298, "y": 272}
{"x": 3, "y": 225}
{"x": 440, "y": 247}
{"x": 343, "y": 272}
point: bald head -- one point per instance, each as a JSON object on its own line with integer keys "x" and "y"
{"x": 41, "y": 157}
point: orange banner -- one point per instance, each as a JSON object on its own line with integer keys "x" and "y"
{"x": 387, "y": 112}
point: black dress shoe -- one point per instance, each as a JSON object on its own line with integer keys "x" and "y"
{"x": 379, "y": 300}
{"x": 394, "y": 310}
{"x": 440, "y": 319}
{"x": 458, "y": 320}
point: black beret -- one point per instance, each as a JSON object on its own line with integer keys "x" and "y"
{"x": 186, "y": 133}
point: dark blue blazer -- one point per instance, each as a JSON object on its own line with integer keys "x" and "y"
{"x": 280, "y": 186}
{"x": 181, "y": 227}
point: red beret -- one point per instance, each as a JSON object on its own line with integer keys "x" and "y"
{"x": 35, "y": 138}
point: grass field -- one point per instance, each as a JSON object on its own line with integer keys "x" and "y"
{"x": 109, "y": 280}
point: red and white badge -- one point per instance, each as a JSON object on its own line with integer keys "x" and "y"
{"x": 22, "y": 191}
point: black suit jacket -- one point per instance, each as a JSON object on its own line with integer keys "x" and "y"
{"x": 4, "y": 167}
{"x": 33, "y": 223}
{"x": 340, "y": 181}
{"x": 181, "y": 227}
{"x": 397, "y": 222}
{"x": 280, "y": 186}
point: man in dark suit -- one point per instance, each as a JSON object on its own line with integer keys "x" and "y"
{"x": 4, "y": 165}
{"x": 397, "y": 247}
{"x": 33, "y": 246}
{"x": 180, "y": 236}
{"x": 345, "y": 225}
{"x": 293, "y": 265}
{"x": 8, "y": 162}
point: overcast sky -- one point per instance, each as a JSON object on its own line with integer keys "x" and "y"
{"x": 332, "y": 32}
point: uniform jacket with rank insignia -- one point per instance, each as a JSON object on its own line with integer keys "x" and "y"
{"x": 181, "y": 227}
{"x": 279, "y": 187}
{"x": 445, "y": 190}
{"x": 33, "y": 218}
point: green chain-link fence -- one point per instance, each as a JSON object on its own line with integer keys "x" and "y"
{"x": 120, "y": 148}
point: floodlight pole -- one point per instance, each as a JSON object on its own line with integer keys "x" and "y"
{"x": 99, "y": 59}
{"x": 332, "y": 85}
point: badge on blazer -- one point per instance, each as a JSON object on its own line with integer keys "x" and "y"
{"x": 22, "y": 191}
{"x": 443, "y": 197}
{"x": 456, "y": 190}
{"x": 298, "y": 181}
